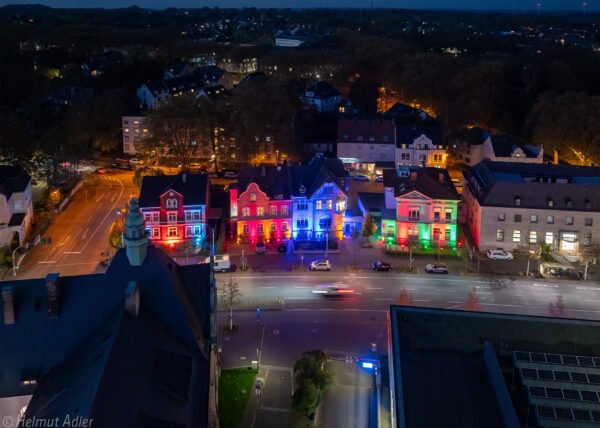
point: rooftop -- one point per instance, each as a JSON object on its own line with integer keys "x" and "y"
{"x": 407, "y": 133}
{"x": 434, "y": 183}
{"x": 193, "y": 188}
{"x": 13, "y": 179}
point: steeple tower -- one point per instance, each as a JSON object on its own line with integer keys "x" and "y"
{"x": 136, "y": 241}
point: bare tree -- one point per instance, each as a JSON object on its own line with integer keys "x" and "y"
{"x": 558, "y": 308}
{"x": 472, "y": 301}
{"x": 231, "y": 295}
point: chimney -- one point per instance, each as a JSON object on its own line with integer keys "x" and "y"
{"x": 53, "y": 295}
{"x": 132, "y": 299}
{"x": 555, "y": 157}
{"x": 184, "y": 177}
{"x": 8, "y": 305}
{"x": 441, "y": 177}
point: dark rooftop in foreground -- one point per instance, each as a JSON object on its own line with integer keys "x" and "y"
{"x": 456, "y": 368}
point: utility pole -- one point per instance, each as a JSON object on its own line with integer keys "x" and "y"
{"x": 326, "y": 243}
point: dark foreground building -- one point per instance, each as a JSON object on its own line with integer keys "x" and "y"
{"x": 475, "y": 369}
{"x": 129, "y": 348}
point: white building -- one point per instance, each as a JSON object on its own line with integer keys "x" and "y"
{"x": 365, "y": 141}
{"x": 16, "y": 209}
{"x": 135, "y": 129}
{"x": 151, "y": 95}
{"x": 322, "y": 96}
{"x": 289, "y": 40}
{"x": 420, "y": 145}
{"x": 506, "y": 148}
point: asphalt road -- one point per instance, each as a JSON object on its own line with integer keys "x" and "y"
{"x": 80, "y": 233}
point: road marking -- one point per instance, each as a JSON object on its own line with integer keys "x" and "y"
{"x": 589, "y": 288}
{"x": 113, "y": 197}
{"x": 42, "y": 262}
{"x": 301, "y": 286}
{"x": 85, "y": 234}
{"x": 373, "y": 288}
{"x": 297, "y": 298}
{"x": 454, "y": 302}
{"x": 592, "y": 300}
{"x": 412, "y": 289}
{"x": 91, "y": 217}
{"x": 383, "y": 298}
{"x": 483, "y": 292}
{"x": 64, "y": 241}
{"x": 416, "y": 300}
{"x": 72, "y": 252}
{"x": 100, "y": 197}
{"x": 266, "y": 287}
{"x": 537, "y": 284}
{"x": 446, "y": 290}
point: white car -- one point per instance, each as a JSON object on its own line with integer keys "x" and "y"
{"x": 136, "y": 161}
{"x": 499, "y": 255}
{"x": 222, "y": 263}
{"x": 332, "y": 290}
{"x": 260, "y": 247}
{"x": 436, "y": 268}
{"x": 230, "y": 174}
{"x": 323, "y": 265}
{"x": 361, "y": 177}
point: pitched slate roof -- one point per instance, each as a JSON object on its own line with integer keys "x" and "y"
{"x": 349, "y": 131}
{"x": 13, "y": 179}
{"x": 407, "y": 133}
{"x": 193, "y": 189}
{"x": 434, "y": 183}
{"x": 499, "y": 183}
{"x": 314, "y": 174}
{"x": 474, "y": 136}
{"x": 96, "y": 361}
{"x": 405, "y": 113}
{"x": 271, "y": 179}
{"x": 505, "y": 145}
{"x": 322, "y": 89}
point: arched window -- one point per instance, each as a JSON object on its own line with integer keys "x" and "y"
{"x": 171, "y": 203}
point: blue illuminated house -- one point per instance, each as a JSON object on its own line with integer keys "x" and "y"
{"x": 319, "y": 199}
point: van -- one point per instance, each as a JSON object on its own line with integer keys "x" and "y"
{"x": 222, "y": 263}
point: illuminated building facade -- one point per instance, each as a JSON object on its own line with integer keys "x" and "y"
{"x": 424, "y": 207}
{"x": 174, "y": 207}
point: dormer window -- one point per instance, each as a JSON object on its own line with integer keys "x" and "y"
{"x": 171, "y": 203}
{"x": 517, "y": 201}
{"x": 550, "y": 203}
{"x": 588, "y": 204}
{"x": 569, "y": 203}
{"x": 252, "y": 197}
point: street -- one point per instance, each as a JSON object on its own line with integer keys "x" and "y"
{"x": 80, "y": 233}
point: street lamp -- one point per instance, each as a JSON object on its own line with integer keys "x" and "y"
{"x": 326, "y": 243}
{"x": 15, "y": 267}
{"x": 120, "y": 215}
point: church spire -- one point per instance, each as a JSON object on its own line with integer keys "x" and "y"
{"x": 136, "y": 241}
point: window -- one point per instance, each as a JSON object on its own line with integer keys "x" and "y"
{"x": 413, "y": 232}
{"x": 302, "y": 205}
{"x": 405, "y": 156}
{"x": 246, "y": 229}
{"x": 448, "y": 234}
{"x": 360, "y": 138}
{"x": 413, "y": 214}
{"x": 172, "y": 231}
{"x": 588, "y": 204}
{"x": 371, "y": 139}
{"x": 501, "y": 216}
{"x": 155, "y": 217}
{"x": 517, "y": 201}
{"x": 500, "y": 235}
{"x": 260, "y": 228}
{"x": 171, "y": 203}
{"x": 549, "y": 238}
{"x": 550, "y": 219}
{"x": 587, "y": 239}
{"x": 329, "y": 204}
{"x": 533, "y": 237}
{"x": 437, "y": 234}
{"x": 569, "y": 221}
{"x": 260, "y": 211}
{"x": 188, "y": 216}
{"x": 273, "y": 210}
{"x": 197, "y": 230}
{"x": 385, "y": 137}
{"x": 325, "y": 222}
{"x": 155, "y": 232}
{"x": 273, "y": 227}
{"x": 589, "y": 221}
{"x": 172, "y": 217}
{"x": 448, "y": 214}
{"x": 516, "y": 236}
{"x": 196, "y": 215}
{"x": 533, "y": 218}
{"x": 188, "y": 231}
{"x": 517, "y": 218}
{"x": 284, "y": 210}
{"x": 302, "y": 223}
{"x": 550, "y": 203}
{"x": 284, "y": 227}
{"x": 245, "y": 212}
{"x": 569, "y": 203}
{"x": 319, "y": 205}
{"x": 252, "y": 197}
{"x": 436, "y": 214}
{"x": 147, "y": 218}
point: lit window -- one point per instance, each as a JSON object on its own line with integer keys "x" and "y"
{"x": 260, "y": 211}
{"x": 126, "y": 130}
{"x": 245, "y": 212}
{"x": 246, "y": 229}
{"x": 436, "y": 214}
{"x": 340, "y": 206}
{"x": 273, "y": 227}
{"x": 319, "y": 205}
{"x": 147, "y": 218}
{"x": 549, "y": 238}
{"x": 252, "y": 197}
{"x": 284, "y": 227}
{"x": 533, "y": 218}
{"x": 501, "y": 216}
{"x": 516, "y": 236}
{"x": 500, "y": 235}
{"x": 550, "y": 219}
{"x": 284, "y": 210}
{"x": 569, "y": 203}
{"x": 569, "y": 221}
{"x": 533, "y": 237}
{"x": 325, "y": 222}
{"x": 413, "y": 214}
{"x": 302, "y": 223}
{"x": 550, "y": 203}
{"x": 196, "y": 215}
{"x": 517, "y": 201}
{"x": 188, "y": 216}
{"x": 197, "y": 230}
{"x": 260, "y": 228}
{"x": 172, "y": 231}
{"x": 188, "y": 231}
{"x": 587, "y": 239}
{"x": 329, "y": 204}
{"x": 273, "y": 210}
{"x": 171, "y": 203}
{"x": 155, "y": 217}
{"x": 155, "y": 232}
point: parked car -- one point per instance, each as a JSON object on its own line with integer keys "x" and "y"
{"x": 361, "y": 177}
{"x": 333, "y": 290}
{"x": 230, "y": 174}
{"x": 136, "y": 161}
{"x": 436, "y": 268}
{"x": 499, "y": 254}
{"x": 260, "y": 247}
{"x": 321, "y": 265}
{"x": 379, "y": 179}
{"x": 381, "y": 266}
{"x": 222, "y": 263}
{"x": 282, "y": 248}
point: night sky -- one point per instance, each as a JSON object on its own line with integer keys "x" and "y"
{"x": 592, "y": 5}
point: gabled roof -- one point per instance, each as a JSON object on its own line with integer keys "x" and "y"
{"x": 434, "y": 183}
{"x": 317, "y": 172}
{"x": 272, "y": 180}
{"x": 193, "y": 189}
{"x": 350, "y": 130}
{"x": 474, "y": 136}
{"x": 405, "y": 113}
{"x": 157, "y": 87}
{"x": 408, "y": 133}
{"x": 96, "y": 361}
{"x": 504, "y": 146}
{"x": 322, "y": 89}
{"x": 13, "y": 179}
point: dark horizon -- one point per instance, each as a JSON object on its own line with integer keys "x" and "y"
{"x": 463, "y": 5}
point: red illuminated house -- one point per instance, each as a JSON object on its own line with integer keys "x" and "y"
{"x": 264, "y": 206}
{"x": 174, "y": 207}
